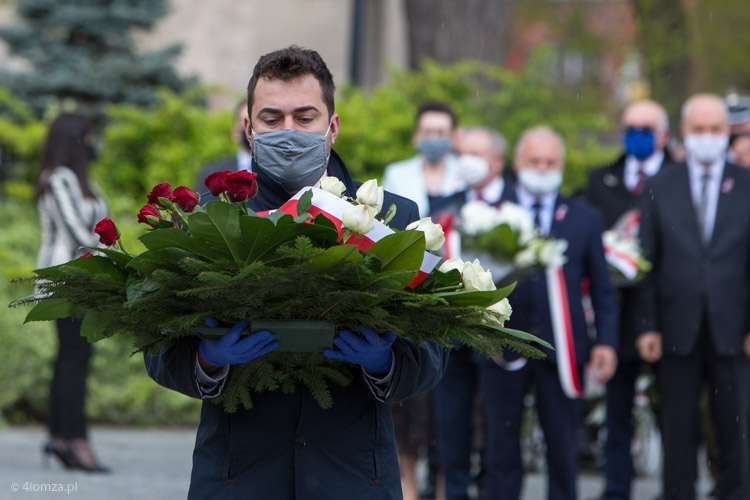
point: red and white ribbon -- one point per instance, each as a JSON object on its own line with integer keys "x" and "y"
{"x": 562, "y": 329}
{"x": 333, "y": 207}
{"x": 621, "y": 261}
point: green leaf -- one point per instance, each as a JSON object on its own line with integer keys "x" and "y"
{"x": 150, "y": 260}
{"x": 279, "y": 218}
{"x": 94, "y": 327}
{"x": 400, "y": 251}
{"x": 219, "y": 226}
{"x": 136, "y": 286}
{"x": 519, "y": 335}
{"x": 97, "y": 265}
{"x": 339, "y": 253}
{"x": 390, "y": 214}
{"x": 481, "y": 299}
{"x": 262, "y": 238}
{"x": 120, "y": 258}
{"x": 50, "y": 309}
{"x": 305, "y": 202}
{"x": 177, "y": 238}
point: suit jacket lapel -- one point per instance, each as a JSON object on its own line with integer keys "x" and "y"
{"x": 723, "y": 208}
{"x": 683, "y": 202}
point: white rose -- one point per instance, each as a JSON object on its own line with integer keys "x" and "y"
{"x": 359, "y": 219}
{"x": 477, "y": 217}
{"x": 371, "y": 194}
{"x": 518, "y": 219}
{"x": 433, "y": 233}
{"x": 451, "y": 264}
{"x": 525, "y": 258}
{"x": 552, "y": 253}
{"x": 332, "y": 185}
{"x": 503, "y": 309}
{"x": 475, "y": 278}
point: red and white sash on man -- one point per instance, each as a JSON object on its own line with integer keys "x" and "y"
{"x": 562, "y": 329}
{"x": 333, "y": 207}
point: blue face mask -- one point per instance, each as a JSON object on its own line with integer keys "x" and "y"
{"x": 434, "y": 149}
{"x": 639, "y": 142}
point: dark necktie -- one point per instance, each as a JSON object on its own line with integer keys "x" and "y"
{"x": 641, "y": 175}
{"x": 536, "y": 210}
{"x": 702, "y": 209}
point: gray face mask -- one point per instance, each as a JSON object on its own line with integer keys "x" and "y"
{"x": 293, "y": 158}
{"x": 434, "y": 149}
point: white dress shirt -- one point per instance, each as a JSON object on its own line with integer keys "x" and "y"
{"x": 547, "y": 210}
{"x": 695, "y": 172}
{"x": 490, "y": 193}
{"x": 651, "y": 166}
{"x": 244, "y": 161}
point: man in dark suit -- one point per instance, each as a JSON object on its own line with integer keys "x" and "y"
{"x": 695, "y": 230}
{"x": 242, "y": 160}
{"x": 481, "y": 159}
{"x": 539, "y": 162}
{"x": 616, "y": 189}
{"x": 286, "y": 446}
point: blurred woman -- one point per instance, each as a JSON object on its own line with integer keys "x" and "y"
{"x": 69, "y": 208}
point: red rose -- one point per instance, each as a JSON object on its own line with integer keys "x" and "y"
{"x": 241, "y": 185}
{"x": 163, "y": 190}
{"x": 148, "y": 210}
{"x": 216, "y": 182}
{"x": 87, "y": 254}
{"x": 107, "y": 232}
{"x": 185, "y": 198}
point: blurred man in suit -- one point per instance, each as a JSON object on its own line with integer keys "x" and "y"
{"x": 695, "y": 230}
{"x": 616, "y": 190}
{"x": 539, "y": 162}
{"x": 481, "y": 159}
{"x": 242, "y": 160}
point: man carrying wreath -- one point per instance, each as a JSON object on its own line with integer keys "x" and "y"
{"x": 287, "y": 446}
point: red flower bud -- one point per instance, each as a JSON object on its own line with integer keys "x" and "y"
{"x": 241, "y": 185}
{"x": 107, "y": 231}
{"x": 216, "y": 182}
{"x": 163, "y": 190}
{"x": 87, "y": 254}
{"x": 148, "y": 210}
{"x": 186, "y": 199}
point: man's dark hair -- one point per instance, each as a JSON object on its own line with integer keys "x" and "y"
{"x": 436, "y": 107}
{"x": 288, "y": 64}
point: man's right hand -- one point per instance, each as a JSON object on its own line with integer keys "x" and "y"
{"x": 230, "y": 350}
{"x": 649, "y": 346}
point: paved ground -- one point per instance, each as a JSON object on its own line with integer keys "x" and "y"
{"x": 154, "y": 464}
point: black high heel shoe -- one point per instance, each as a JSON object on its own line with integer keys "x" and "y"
{"x": 69, "y": 459}
{"x": 62, "y": 453}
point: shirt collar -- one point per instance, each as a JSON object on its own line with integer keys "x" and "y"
{"x": 527, "y": 199}
{"x": 491, "y": 193}
{"x": 651, "y": 165}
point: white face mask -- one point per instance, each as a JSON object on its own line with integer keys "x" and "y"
{"x": 538, "y": 182}
{"x": 706, "y": 148}
{"x": 473, "y": 169}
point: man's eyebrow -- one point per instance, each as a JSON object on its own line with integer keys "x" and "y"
{"x": 276, "y": 111}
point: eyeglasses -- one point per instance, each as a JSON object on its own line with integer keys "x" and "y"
{"x": 643, "y": 130}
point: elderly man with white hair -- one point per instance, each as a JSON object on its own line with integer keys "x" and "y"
{"x": 695, "y": 303}
{"x": 539, "y": 164}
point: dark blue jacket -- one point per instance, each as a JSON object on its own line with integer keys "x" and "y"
{"x": 287, "y": 447}
{"x": 581, "y": 225}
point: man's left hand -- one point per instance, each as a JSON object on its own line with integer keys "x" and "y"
{"x": 603, "y": 363}
{"x": 746, "y": 345}
{"x": 373, "y": 353}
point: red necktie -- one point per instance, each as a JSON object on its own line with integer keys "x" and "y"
{"x": 638, "y": 189}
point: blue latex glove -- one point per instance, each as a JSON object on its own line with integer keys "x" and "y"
{"x": 230, "y": 350}
{"x": 373, "y": 353}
